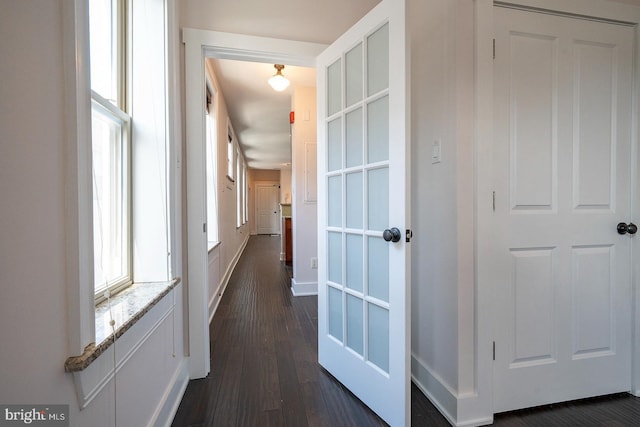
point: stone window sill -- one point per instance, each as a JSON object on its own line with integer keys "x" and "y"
{"x": 126, "y": 308}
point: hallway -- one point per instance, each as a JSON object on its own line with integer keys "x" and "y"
{"x": 264, "y": 369}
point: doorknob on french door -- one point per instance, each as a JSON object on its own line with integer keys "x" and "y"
{"x": 391, "y": 235}
{"x": 630, "y": 228}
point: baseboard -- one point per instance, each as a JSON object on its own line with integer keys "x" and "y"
{"x": 303, "y": 289}
{"x": 459, "y": 410}
{"x": 215, "y": 301}
{"x": 439, "y": 393}
{"x": 168, "y": 407}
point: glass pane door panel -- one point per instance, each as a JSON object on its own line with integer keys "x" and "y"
{"x": 334, "y": 87}
{"x": 378, "y": 130}
{"x": 378, "y": 60}
{"x": 354, "y": 138}
{"x": 355, "y": 335}
{"x": 334, "y": 214}
{"x": 334, "y": 145}
{"x": 334, "y": 241}
{"x": 378, "y": 268}
{"x": 378, "y": 337}
{"x": 378, "y": 199}
{"x": 353, "y": 62}
{"x": 354, "y": 262}
{"x": 335, "y": 312}
{"x": 354, "y": 200}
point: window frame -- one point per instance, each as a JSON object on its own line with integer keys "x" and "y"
{"x": 211, "y": 167}
{"x": 245, "y": 202}
{"x": 230, "y": 152}
{"x": 238, "y": 187}
{"x": 117, "y": 110}
{"x": 160, "y": 239}
{"x": 107, "y": 108}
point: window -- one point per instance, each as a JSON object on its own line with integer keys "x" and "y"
{"x": 230, "y": 150}
{"x": 211, "y": 149}
{"x": 122, "y": 156}
{"x": 239, "y": 188}
{"x": 244, "y": 194}
{"x": 110, "y": 147}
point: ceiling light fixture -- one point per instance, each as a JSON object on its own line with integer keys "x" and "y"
{"x": 279, "y": 82}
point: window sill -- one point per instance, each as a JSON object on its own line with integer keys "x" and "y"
{"x": 127, "y": 308}
{"x": 212, "y": 245}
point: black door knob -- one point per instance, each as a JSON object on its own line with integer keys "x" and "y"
{"x": 392, "y": 235}
{"x": 630, "y": 228}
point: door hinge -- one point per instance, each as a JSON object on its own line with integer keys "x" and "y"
{"x": 409, "y": 235}
{"x": 494, "y": 201}
{"x": 494, "y": 48}
{"x": 494, "y": 350}
{"x": 204, "y": 227}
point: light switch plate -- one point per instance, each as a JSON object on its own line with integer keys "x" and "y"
{"x": 436, "y": 151}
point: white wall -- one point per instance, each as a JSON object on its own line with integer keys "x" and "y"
{"x": 442, "y": 55}
{"x": 285, "y": 185}
{"x": 223, "y": 258}
{"x": 304, "y": 214}
{"x": 33, "y": 307}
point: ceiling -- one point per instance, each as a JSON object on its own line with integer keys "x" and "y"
{"x": 259, "y": 114}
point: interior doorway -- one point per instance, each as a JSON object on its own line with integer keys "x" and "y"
{"x": 267, "y": 208}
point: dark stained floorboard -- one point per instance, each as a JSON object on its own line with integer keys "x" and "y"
{"x": 264, "y": 369}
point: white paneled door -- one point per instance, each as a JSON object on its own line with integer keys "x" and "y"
{"x": 563, "y": 102}
{"x": 363, "y": 319}
{"x": 267, "y": 208}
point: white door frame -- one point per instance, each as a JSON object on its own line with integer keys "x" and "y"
{"x": 595, "y": 9}
{"x": 200, "y": 44}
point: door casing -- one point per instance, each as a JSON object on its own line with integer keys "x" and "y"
{"x": 588, "y": 9}
{"x": 200, "y": 44}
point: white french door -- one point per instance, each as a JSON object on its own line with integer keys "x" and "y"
{"x": 363, "y": 287}
{"x": 562, "y": 168}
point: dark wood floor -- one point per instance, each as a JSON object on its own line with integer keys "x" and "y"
{"x": 264, "y": 369}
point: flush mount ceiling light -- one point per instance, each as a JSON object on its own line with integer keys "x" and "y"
{"x": 279, "y": 82}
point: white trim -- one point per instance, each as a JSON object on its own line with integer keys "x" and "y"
{"x": 242, "y": 47}
{"x": 222, "y": 286}
{"x": 199, "y": 43}
{"x": 310, "y": 192}
{"x": 174, "y": 136}
{"x": 78, "y": 192}
{"x": 446, "y": 400}
{"x": 483, "y": 210}
{"x": 301, "y": 289}
{"x": 166, "y": 410}
{"x": 602, "y": 10}
{"x": 439, "y": 393}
